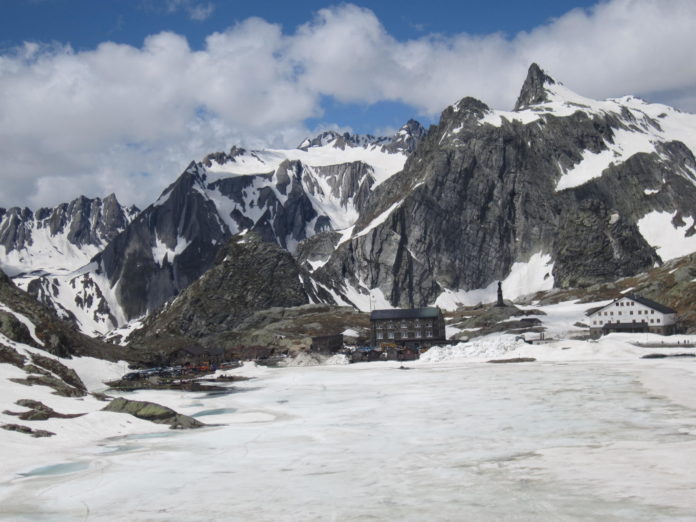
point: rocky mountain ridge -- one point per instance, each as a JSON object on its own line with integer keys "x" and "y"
{"x": 284, "y": 196}
{"x": 563, "y": 191}
{"x": 62, "y": 238}
{"x": 559, "y": 193}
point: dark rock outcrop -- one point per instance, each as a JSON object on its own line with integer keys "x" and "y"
{"x": 59, "y": 387}
{"x": 9, "y": 355}
{"x": 153, "y": 412}
{"x": 26, "y": 429}
{"x": 249, "y": 275}
{"x": 38, "y": 411}
{"x": 533, "y": 90}
{"x": 56, "y": 336}
{"x": 68, "y": 375}
{"x": 14, "y": 329}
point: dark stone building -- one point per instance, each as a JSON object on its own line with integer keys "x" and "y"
{"x": 327, "y": 344}
{"x": 415, "y": 326}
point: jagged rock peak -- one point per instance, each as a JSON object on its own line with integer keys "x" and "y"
{"x": 404, "y": 140}
{"x": 466, "y": 109}
{"x": 534, "y": 88}
{"x": 223, "y": 157}
{"x": 341, "y": 141}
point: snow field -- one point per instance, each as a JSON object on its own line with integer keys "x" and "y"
{"x": 581, "y": 437}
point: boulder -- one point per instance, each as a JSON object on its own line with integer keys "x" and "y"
{"x": 153, "y": 412}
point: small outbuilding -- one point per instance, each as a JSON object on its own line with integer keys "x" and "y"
{"x": 633, "y": 313}
{"x": 327, "y": 344}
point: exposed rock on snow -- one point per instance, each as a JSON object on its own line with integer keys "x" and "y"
{"x": 153, "y": 413}
{"x": 39, "y": 411}
{"x": 26, "y": 429}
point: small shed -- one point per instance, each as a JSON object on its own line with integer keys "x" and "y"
{"x": 327, "y": 344}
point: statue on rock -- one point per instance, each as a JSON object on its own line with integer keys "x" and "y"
{"x": 500, "y": 295}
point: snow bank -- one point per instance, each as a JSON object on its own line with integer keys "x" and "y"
{"x": 337, "y": 360}
{"x": 485, "y": 348}
{"x": 302, "y": 359}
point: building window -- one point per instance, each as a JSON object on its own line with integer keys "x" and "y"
{"x": 652, "y": 311}
{"x": 428, "y": 333}
{"x": 379, "y": 335}
{"x": 391, "y": 335}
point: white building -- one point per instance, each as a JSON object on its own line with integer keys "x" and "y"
{"x": 633, "y": 313}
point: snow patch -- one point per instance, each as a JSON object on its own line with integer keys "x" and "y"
{"x": 626, "y": 144}
{"x": 478, "y": 349}
{"x": 161, "y": 250}
{"x": 670, "y": 242}
{"x": 524, "y": 278}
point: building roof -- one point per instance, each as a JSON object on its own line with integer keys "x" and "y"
{"x": 406, "y": 313}
{"x": 652, "y": 304}
{"x": 638, "y": 299}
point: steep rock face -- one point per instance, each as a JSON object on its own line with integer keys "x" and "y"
{"x": 485, "y": 190}
{"x": 249, "y": 275}
{"x": 48, "y": 331}
{"x": 177, "y": 239}
{"x": 165, "y": 249}
{"x": 137, "y": 264}
{"x": 64, "y": 237}
{"x": 281, "y": 199}
{"x": 534, "y": 88}
{"x": 407, "y": 138}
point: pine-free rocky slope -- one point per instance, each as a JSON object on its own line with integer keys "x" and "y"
{"x": 561, "y": 192}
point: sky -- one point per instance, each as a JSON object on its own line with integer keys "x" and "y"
{"x": 120, "y": 95}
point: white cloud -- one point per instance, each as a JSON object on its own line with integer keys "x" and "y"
{"x": 128, "y": 119}
{"x": 195, "y": 10}
{"x": 201, "y": 12}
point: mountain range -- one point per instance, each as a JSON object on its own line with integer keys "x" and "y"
{"x": 563, "y": 191}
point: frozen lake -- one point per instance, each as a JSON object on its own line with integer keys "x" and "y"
{"x": 459, "y": 441}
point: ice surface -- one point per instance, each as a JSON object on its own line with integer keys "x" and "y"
{"x": 590, "y": 432}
